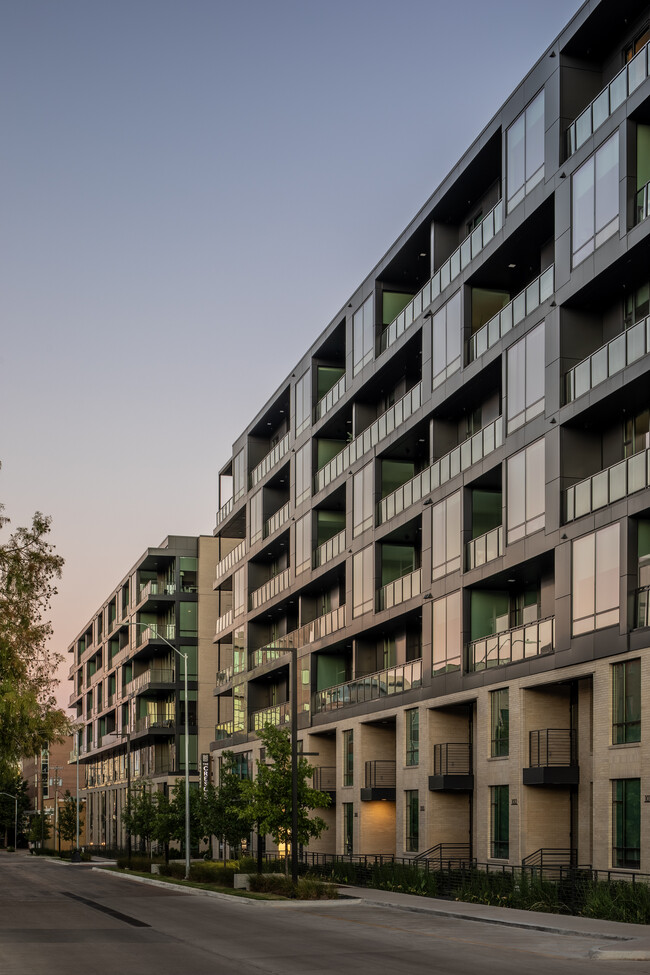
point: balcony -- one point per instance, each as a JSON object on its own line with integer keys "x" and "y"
{"x": 277, "y": 714}
{"x": 302, "y": 637}
{"x": 223, "y": 676}
{"x": 144, "y": 681}
{"x": 268, "y": 462}
{"x": 628, "y": 347}
{"x": 452, "y": 768}
{"x": 535, "y": 294}
{"x": 224, "y": 511}
{"x": 614, "y": 483}
{"x": 154, "y": 588}
{"x": 223, "y": 730}
{"x": 511, "y": 646}
{"x": 325, "y": 780}
{"x": 380, "y": 781}
{"x": 164, "y": 721}
{"x": 329, "y": 400}
{"x": 269, "y": 590}
{"x": 372, "y": 687}
{"x": 157, "y": 631}
{"x": 484, "y": 548}
{"x": 223, "y": 623}
{"x": 459, "y": 260}
{"x": 642, "y": 598}
{"x": 610, "y": 98}
{"x": 382, "y": 427}
{"x": 399, "y": 591}
{"x": 227, "y": 564}
{"x": 483, "y": 443}
{"x": 329, "y": 550}
{"x": 553, "y": 758}
{"x": 277, "y": 520}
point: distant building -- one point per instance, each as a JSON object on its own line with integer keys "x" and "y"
{"x": 49, "y": 775}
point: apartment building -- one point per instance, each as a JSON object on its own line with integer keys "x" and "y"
{"x": 49, "y": 775}
{"x": 443, "y": 511}
{"x": 128, "y": 678}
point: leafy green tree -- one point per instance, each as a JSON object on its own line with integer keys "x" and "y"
{"x": 29, "y": 716}
{"x": 226, "y": 814}
{"x": 13, "y": 784}
{"x": 270, "y": 796}
{"x": 177, "y": 815}
{"x": 67, "y": 825}
{"x": 39, "y": 828}
{"x": 163, "y": 824}
{"x": 140, "y": 819}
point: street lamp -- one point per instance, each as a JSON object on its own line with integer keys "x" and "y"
{"x": 15, "y": 798}
{"x": 184, "y": 656}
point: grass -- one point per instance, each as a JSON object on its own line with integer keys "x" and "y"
{"x": 180, "y": 882}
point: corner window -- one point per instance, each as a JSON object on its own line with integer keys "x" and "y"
{"x": 499, "y": 722}
{"x": 626, "y": 702}
{"x": 446, "y": 340}
{"x": 500, "y": 822}
{"x": 525, "y": 152}
{"x": 595, "y": 206}
{"x": 595, "y": 580}
{"x": 363, "y": 338}
{"x": 525, "y": 492}
{"x": 626, "y": 822}
{"x": 525, "y": 379}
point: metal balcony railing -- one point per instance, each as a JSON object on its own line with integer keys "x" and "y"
{"x": 394, "y": 680}
{"x": 605, "y": 487}
{"x": 627, "y": 347}
{"x": 320, "y": 627}
{"x": 155, "y": 676}
{"x": 325, "y": 778}
{"x": 268, "y": 462}
{"x": 519, "y": 643}
{"x": 526, "y": 302}
{"x": 552, "y": 746}
{"x": 223, "y": 730}
{"x": 380, "y": 774}
{"x": 277, "y": 714}
{"x": 452, "y": 758}
{"x": 164, "y": 719}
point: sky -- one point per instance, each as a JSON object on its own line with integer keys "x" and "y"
{"x": 189, "y": 192}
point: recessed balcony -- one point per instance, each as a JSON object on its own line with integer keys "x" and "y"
{"x": 269, "y": 590}
{"x": 324, "y": 780}
{"x": 150, "y": 679}
{"x": 399, "y": 591}
{"x": 484, "y": 549}
{"x": 452, "y": 768}
{"x": 627, "y": 347}
{"x": 380, "y": 781}
{"x": 223, "y": 730}
{"x": 227, "y": 564}
{"x": 609, "y": 485}
{"x": 276, "y": 521}
{"x": 277, "y": 715}
{"x": 329, "y": 550}
{"x": 372, "y": 687}
{"x": 513, "y": 645}
{"x": 268, "y": 462}
{"x": 330, "y": 399}
{"x": 522, "y": 305}
{"x": 552, "y": 758}
{"x": 308, "y": 633}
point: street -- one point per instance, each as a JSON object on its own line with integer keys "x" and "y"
{"x": 56, "y": 919}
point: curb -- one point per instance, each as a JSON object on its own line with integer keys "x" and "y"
{"x": 619, "y": 954}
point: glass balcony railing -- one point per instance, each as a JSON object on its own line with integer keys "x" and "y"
{"x": 139, "y": 683}
{"x": 610, "y": 98}
{"x": 626, "y": 348}
{"x": 330, "y": 399}
{"x": 484, "y": 442}
{"x": 270, "y": 589}
{"x": 459, "y": 260}
{"x": 642, "y": 204}
{"x": 277, "y": 520}
{"x": 267, "y": 463}
{"x": 642, "y": 607}
{"x": 320, "y": 627}
{"x": 224, "y": 676}
{"x": 227, "y": 564}
{"x": 389, "y": 421}
{"x": 519, "y": 643}
{"x": 155, "y": 588}
{"x": 484, "y": 548}
{"x": 223, "y": 730}
{"x": 278, "y": 715}
{"x": 224, "y": 511}
{"x": 399, "y": 591}
{"x": 157, "y": 631}
{"x": 329, "y": 550}
{"x": 393, "y": 680}
{"x": 223, "y": 623}
{"x": 533, "y": 295}
{"x": 163, "y": 719}
{"x": 605, "y": 487}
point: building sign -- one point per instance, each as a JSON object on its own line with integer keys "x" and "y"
{"x": 205, "y": 769}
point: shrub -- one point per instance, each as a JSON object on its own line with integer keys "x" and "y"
{"x": 312, "y": 888}
{"x": 139, "y": 863}
{"x": 262, "y": 883}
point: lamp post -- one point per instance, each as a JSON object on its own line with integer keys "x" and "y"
{"x": 183, "y": 656}
{"x": 15, "y": 798}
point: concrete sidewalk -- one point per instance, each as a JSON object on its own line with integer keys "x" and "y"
{"x": 620, "y": 941}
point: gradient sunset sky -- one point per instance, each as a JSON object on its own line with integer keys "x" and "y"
{"x": 190, "y": 191}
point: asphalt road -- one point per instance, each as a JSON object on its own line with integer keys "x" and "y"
{"x": 62, "y": 920}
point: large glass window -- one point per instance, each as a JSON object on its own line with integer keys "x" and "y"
{"x": 363, "y": 340}
{"x": 526, "y": 483}
{"x": 499, "y": 722}
{"x": 626, "y": 702}
{"x": 303, "y": 473}
{"x": 412, "y": 820}
{"x": 188, "y": 619}
{"x": 303, "y": 403}
{"x": 595, "y": 203}
{"x": 348, "y": 827}
{"x": 238, "y": 476}
{"x": 446, "y": 340}
{"x": 500, "y": 821}
{"x": 525, "y": 151}
{"x": 412, "y": 736}
{"x": 595, "y": 580}
{"x": 239, "y": 592}
{"x": 303, "y": 544}
{"x": 348, "y": 757}
{"x": 446, "y": 542}
{"x": 363, "y": 581}
{"x": 446, "y": 634}
{"x": 626, "y": 821}
{"x": 525, "y": 373}
{"x": 362, "y": 500}
{"x": 256, "y": 521}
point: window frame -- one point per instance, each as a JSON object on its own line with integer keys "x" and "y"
{"x": 622, "y": 826}
{"x": 626, "y": 729}
{"x": 583, "y": 208}
{"x": 412, "y": 737}
{"x": 529, "y": 180}
{"x": 499, "y": 729}
{"x": 607, "y": 615}
{"x": 499, "y": 822}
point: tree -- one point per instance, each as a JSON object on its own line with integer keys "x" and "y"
{"x": 29, "y": 716}
{"x": 226, "y": 814}
{"x": 12, "y": 784}
{"x": 140, "y": 818}
{"x": 270, "y": 796}
{"x": 67, "y": 825}
{"x": 39, "y": 828}
{"x": 177, "y": 815}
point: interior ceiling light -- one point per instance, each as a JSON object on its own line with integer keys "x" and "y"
{"x": 511, "y": 266}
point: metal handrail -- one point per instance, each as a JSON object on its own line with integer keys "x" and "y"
{"x": 452, "y": 758}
